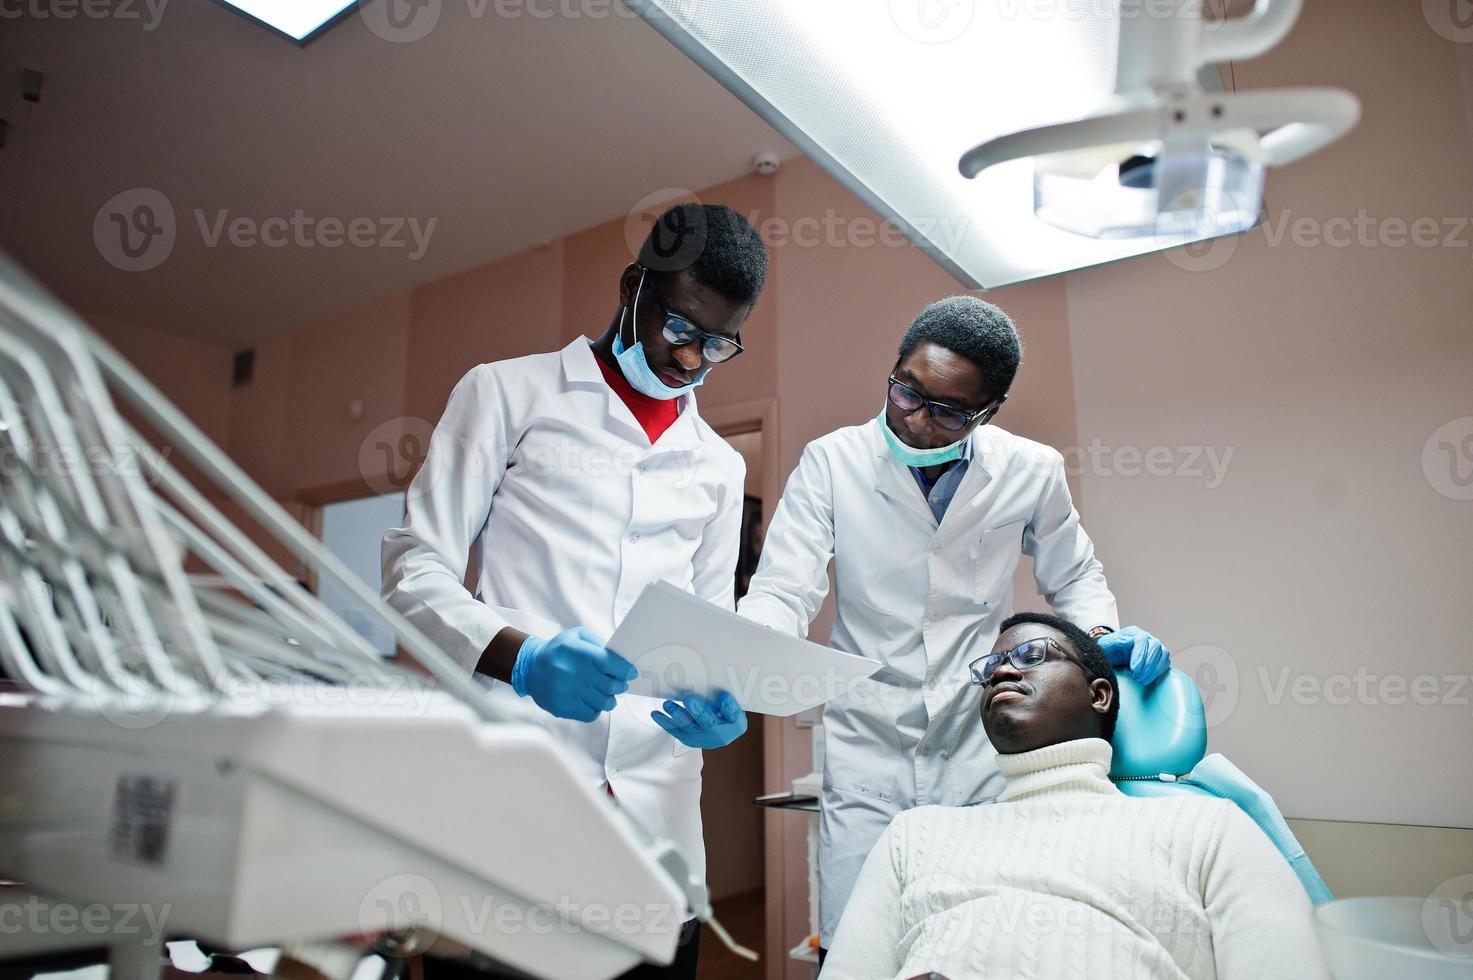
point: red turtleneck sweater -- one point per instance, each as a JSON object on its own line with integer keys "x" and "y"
{"x": 654, "y": 415}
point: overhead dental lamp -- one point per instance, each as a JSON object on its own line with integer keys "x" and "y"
{"x": 1163, "y": 157}
{"x": 888, "y": 95}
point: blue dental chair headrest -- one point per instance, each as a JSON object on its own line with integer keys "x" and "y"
{"x": 1161, "y": 728}
{"x": 1160, "y": 747}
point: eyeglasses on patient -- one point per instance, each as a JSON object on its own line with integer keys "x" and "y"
{"x": 1029, "y": 653}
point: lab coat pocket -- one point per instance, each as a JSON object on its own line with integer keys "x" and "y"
{"x": 862, "y": 742}
{"x": 995, "y": 556}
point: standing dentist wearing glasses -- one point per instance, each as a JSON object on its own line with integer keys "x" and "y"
{"x": 588, "y": 474}
{"x": 924, "y": 512}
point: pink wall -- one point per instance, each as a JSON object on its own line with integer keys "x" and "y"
{"x": 488, "y": 313}
{"x": 364, "y": 353}
{"x": 1326, "y": 550}
{"x": 193, "y": 374}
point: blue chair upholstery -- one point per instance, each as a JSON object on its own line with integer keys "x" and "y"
{"x": 1161, "y": 729}
{"x": 1160, "y": 747}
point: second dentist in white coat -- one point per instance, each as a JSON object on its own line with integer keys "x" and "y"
{"x": 925, "y": 512}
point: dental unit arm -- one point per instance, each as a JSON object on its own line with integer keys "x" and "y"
{"x": 224, "y": 752}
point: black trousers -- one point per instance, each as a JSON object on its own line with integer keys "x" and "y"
{"x": 682, "y": 968}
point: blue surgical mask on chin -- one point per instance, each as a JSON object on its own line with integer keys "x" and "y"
{"x": 920, "y": 457}
{"x": 636, "y": 367}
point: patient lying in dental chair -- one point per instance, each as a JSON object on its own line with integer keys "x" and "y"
{"x": 1065, "y": 876}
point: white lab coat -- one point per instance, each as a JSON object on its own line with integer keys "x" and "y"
{"x": 924, "y": 601}
{"x": 577, "y": 513}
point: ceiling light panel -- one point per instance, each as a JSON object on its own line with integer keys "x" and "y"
{"x": 888, "y": 94}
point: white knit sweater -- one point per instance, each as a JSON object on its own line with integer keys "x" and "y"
{"x": 1067, "y": 877}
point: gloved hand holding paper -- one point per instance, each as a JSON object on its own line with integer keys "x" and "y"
{"x": 682, "y": 645}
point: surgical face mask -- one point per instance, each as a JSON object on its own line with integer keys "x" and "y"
{"x": 920, "y": 457}
{"x": 636, "y": 367}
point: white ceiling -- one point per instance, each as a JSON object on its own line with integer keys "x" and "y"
{"x": 510, "y": 122}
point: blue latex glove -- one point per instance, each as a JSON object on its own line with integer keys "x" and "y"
{"x": 571, "y": 675}
{"x": 703, "y": 724}
{"x": 1137, "y": 650}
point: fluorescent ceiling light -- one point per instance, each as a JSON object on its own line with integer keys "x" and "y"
{"x": 888, "y": 94}
{"x": 297, "y": 19}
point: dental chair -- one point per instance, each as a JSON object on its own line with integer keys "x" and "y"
{"x": 1161, "y": 750}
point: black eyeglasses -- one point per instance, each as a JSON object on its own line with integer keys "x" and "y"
{"x": 680, "y": 331}
{"x": 1029, "y": 653}
{"x": 907, "y": 399}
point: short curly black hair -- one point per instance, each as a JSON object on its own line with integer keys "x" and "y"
{"x": 978, "y": 331}
{"x": 711, "y": 243}
{"x": 1088, "y": 654}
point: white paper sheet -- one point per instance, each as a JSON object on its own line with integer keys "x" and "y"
{"x": 685, "y": 645}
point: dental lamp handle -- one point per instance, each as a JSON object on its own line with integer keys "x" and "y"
{"x": 1296, "y": 122}
{"x": 1250, "y": 35}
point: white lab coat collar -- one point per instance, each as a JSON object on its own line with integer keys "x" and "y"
{"x": 580, "y": 366}
{"x": 893, "y": 478}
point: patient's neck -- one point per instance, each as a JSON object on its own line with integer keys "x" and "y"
{"x": 1077, "y": 768}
